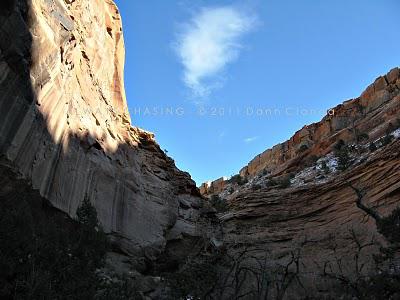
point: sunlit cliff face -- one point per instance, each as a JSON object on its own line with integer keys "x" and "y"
{"x": 65, "y": 127}
{"x": 77, "y": 75}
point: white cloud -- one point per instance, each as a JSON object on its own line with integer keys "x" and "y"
{"x": 208, "y": 43}
{"x": 250, "y": 139}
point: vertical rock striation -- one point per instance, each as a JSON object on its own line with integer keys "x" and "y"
{"x": 65, "y": 125}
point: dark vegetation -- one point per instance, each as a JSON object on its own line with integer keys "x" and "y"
{"x": 325, "y": 167}
{"x": 383, "y": 282}
{"x": 218, "y": 203}
{"x": 244, "y": 274}
{"x": 237, "y": 179}
{"x": 282, "y": 182}
{"x": 196, "y": 279}
{"x": 223, "y": 275}
{"x": 387, "y": 139}
{"x": 237, "y": 274}
{"x": 303, "y": 148}
{"x": 46, "y": 255}
{"x": 362, "y": 137}
{"x": 256, "y": 187}
{"x": 372, "y": 147}
{"x": 6, "y": 6}
{"x": 389, "y": 226}
{"x": 310, "y": 160}
{"x": 341, "y": 151}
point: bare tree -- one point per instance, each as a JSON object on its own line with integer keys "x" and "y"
{"x": 290, "y": 273}
{"x": 249, "y": 275}
{"x": 339, "y": 270}
{"x": 360, "y": 197}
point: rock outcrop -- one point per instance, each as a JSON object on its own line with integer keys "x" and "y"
{"x": 371, "y": 113}
{"x": 303, "y": 212}
{"x": 65, "y": 131}
{"x": 65, "y": 125}
{"x": 321, "y": 223}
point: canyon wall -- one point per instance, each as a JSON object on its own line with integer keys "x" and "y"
{"x": 65, "y": 125}
{"x": 66, "y": 130}
{"x": 371, "y": 113}
{"x": 301, "y": 213}
{"x": 332, "y": 239}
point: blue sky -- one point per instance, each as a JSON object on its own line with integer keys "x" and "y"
{"x": 230, "y": 79}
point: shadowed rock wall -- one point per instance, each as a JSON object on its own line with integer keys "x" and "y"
{"x": 65, "y": 125}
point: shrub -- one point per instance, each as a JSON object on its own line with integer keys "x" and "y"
{"x": 372, "y": 147}
{"x": 218, "y": 203}
{"x": 390, "y": 128}
{"x": 325, "y": 167}
{"x": 46, "y": 255}
{"x": 119, "y": 288}
{"x": 303, "y": 148}
{"x": 235, "y": 179}
{"x": 342, "y": 154}
{"x": 272, "y": 182}
{"x": 238, "y": 179}
{"x": 339, "y": 145}
{"x": 285, "y": 182}
{"x": 389, "y": 226}
{"x": 362, "y": 137}
{"x": 343, "y": 160}
{"x": 195, "y": 279}
{"x": 397, "y": 126}
{"x": 310, "y": 160}
{"x": 87, "y": 214}
{"x": 379, "y": 286}
{"x": 387, "y": 139}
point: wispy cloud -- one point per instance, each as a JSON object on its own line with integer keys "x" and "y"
{"x": 210, "y": 41}
{"x": 250, "y": 139}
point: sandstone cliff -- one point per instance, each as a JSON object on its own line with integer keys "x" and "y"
{"x": 371, "y": 113}
{"x": 65, "y": 131}
{"x": 320, "y": 222}
{"x": 65, "y": 125}
{"x": 295, "y": 205}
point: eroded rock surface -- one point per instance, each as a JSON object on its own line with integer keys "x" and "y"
{"x": 298, "y": 203}
{"x": 65, "y": 128}
{"x": 321, "y": 223}
{"x": 371, "y": 113}
{"x": 65, "y": 125}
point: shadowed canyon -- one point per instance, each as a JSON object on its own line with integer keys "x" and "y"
{"x": 311, "y": 218}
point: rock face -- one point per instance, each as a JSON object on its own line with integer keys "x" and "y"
{"x": 319, "y": 222}
{"x": 65, "y": 128}
{"x": 313, "y": 223}
{"x": 371, "y": 113}
{"x": 65, "y": 125}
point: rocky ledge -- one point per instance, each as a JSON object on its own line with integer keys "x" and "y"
{"x": 367, "y": 117}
